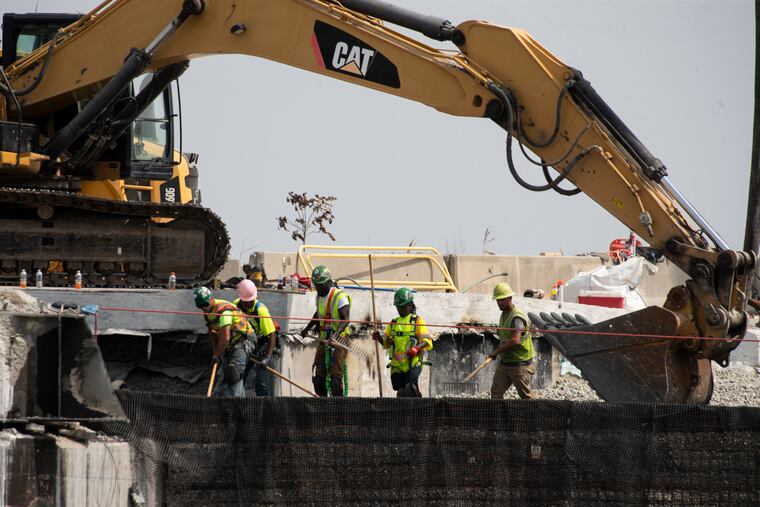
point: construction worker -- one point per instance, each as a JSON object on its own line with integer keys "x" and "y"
{"x": 262, "y": 324}
{"x": 228, "y": 332}
{"x": 516, "y": 349}
{"x": 406, "y": 339}
{"x": 333, "y": 305}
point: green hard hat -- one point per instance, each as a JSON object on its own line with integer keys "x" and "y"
{"x": 202, "y": 296}
{"x": 320, "y": 275}
{"x": 403, "y": 297}
{"x": 503, "y": 291}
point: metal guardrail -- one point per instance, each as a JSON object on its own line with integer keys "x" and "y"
{"x": 425, "y": 253}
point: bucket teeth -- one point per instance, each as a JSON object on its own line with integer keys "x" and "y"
{"x": 621, "y": 359}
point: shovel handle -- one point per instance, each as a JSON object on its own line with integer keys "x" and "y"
{"x": 286, "y": 379}
{"x": 480, "y": 367}
{"x": 211, "y": 382}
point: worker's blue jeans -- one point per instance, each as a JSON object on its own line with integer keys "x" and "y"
{"x": 237, "y": 357}
{"x": 263, "y": 379}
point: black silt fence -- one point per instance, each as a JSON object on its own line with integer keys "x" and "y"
{"x": 361, "y": 451}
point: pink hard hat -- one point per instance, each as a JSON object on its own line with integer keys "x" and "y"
{"x": 247, "y": 290}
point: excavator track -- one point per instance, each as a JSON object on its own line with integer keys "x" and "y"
{"x": 113, "y": 243}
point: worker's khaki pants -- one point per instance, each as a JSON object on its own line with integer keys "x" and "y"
{"x": 336, "y": 371}
{"x": 520, "y": 376}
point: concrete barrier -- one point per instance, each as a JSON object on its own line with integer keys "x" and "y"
{"x": 523, "y": 272}
{"x": 654, "y": 287}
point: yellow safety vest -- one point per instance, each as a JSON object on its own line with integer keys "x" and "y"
{"x": 239, "y": 329}
{"x": 403, "y": 336}
{"x": 330, "y": 301}
{"x": 522, "y": 352}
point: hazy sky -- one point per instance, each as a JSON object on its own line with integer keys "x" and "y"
{"x": 679, "y": 73}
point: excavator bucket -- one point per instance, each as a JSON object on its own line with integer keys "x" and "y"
{"x": 629, "y": 358}
{"x": 61, "y": 374}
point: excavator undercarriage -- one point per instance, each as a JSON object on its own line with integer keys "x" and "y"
{"x": 113, "y": 243}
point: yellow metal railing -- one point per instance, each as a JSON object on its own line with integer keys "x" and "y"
{"x": 307, "y": 252}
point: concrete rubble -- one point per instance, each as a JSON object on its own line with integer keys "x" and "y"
{"x": 63, "y": 466}
{"x": 13, "y": 348}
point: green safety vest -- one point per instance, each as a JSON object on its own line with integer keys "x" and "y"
{"x": 522, "y": 352}
{"x": 239, "y": 329}
{"x": 332, "y": 301}
{"x": 403, "y": 336}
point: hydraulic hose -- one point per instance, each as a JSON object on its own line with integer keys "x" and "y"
{"x": 510, "y": 117}
{"x": 430, "y": 26}
{"x": 6, "y": 90}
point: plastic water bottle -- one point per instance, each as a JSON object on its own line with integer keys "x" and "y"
{"x": 22, "y": 279}
{"x": 172, "y": 281}
{"x": 78, "y": 280}
{"x": 38, "y": 278}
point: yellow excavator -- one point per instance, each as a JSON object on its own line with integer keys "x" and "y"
{"x": 87, "y": 118}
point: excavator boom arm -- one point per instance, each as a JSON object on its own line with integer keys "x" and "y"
{"x": 330, "y": 39}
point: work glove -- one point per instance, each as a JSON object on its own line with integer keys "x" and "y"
{"x": 304, "y": 333}
{"x": 264, "y": 361}
{"x": 413, "y": 352}
{"x": 217, "y": 360}
{"x": 375, "y": 335}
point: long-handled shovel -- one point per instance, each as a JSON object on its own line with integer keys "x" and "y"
{"x": 211, "y": 382}
{"x": 286, "y": 379}
{"x": 480, "y": 367}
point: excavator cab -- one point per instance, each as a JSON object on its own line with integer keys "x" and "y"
{"x": 141, "y": 149}
{"x": 145, "y": 149}
{"x": 123, "y": 154}
{"x": 23, "y": 33}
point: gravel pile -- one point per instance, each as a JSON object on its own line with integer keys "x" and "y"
{"x": 737, "y": 385}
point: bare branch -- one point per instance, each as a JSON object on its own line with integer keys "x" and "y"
{"x": 312, "y": 213}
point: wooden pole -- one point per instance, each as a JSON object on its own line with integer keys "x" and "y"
{"x": 286, "y": 379}
{"x": 211, "y": 382}
{"x": 374, "y": 319}
{"x": 482, "y": 365}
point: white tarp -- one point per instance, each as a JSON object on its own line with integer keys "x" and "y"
{"x": 622, "y": 279}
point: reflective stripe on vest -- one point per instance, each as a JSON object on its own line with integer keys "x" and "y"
{"x": 522, "y": 352}
{"x": 403, "y": 337}
{"x": 240, "y": 328}
{"x": 254, "y": 311}
{"x": 332, "y": 315}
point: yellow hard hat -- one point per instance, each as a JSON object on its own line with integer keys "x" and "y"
{"x": 503, "y": 291}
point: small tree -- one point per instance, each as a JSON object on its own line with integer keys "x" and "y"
{"x": 313, "y": 214}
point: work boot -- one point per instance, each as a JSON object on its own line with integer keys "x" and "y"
{"x": 319, "y": 386}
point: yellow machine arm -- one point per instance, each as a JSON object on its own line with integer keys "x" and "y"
{"x": 496, "y": 72}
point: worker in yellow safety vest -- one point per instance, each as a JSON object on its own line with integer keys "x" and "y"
{"x": 516, "y": 353}
{"x": 228, "y": 332}
{"x": 331, "y": 318}
{"x": 406, "y": 339}
{"x": 266, "y": 336}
